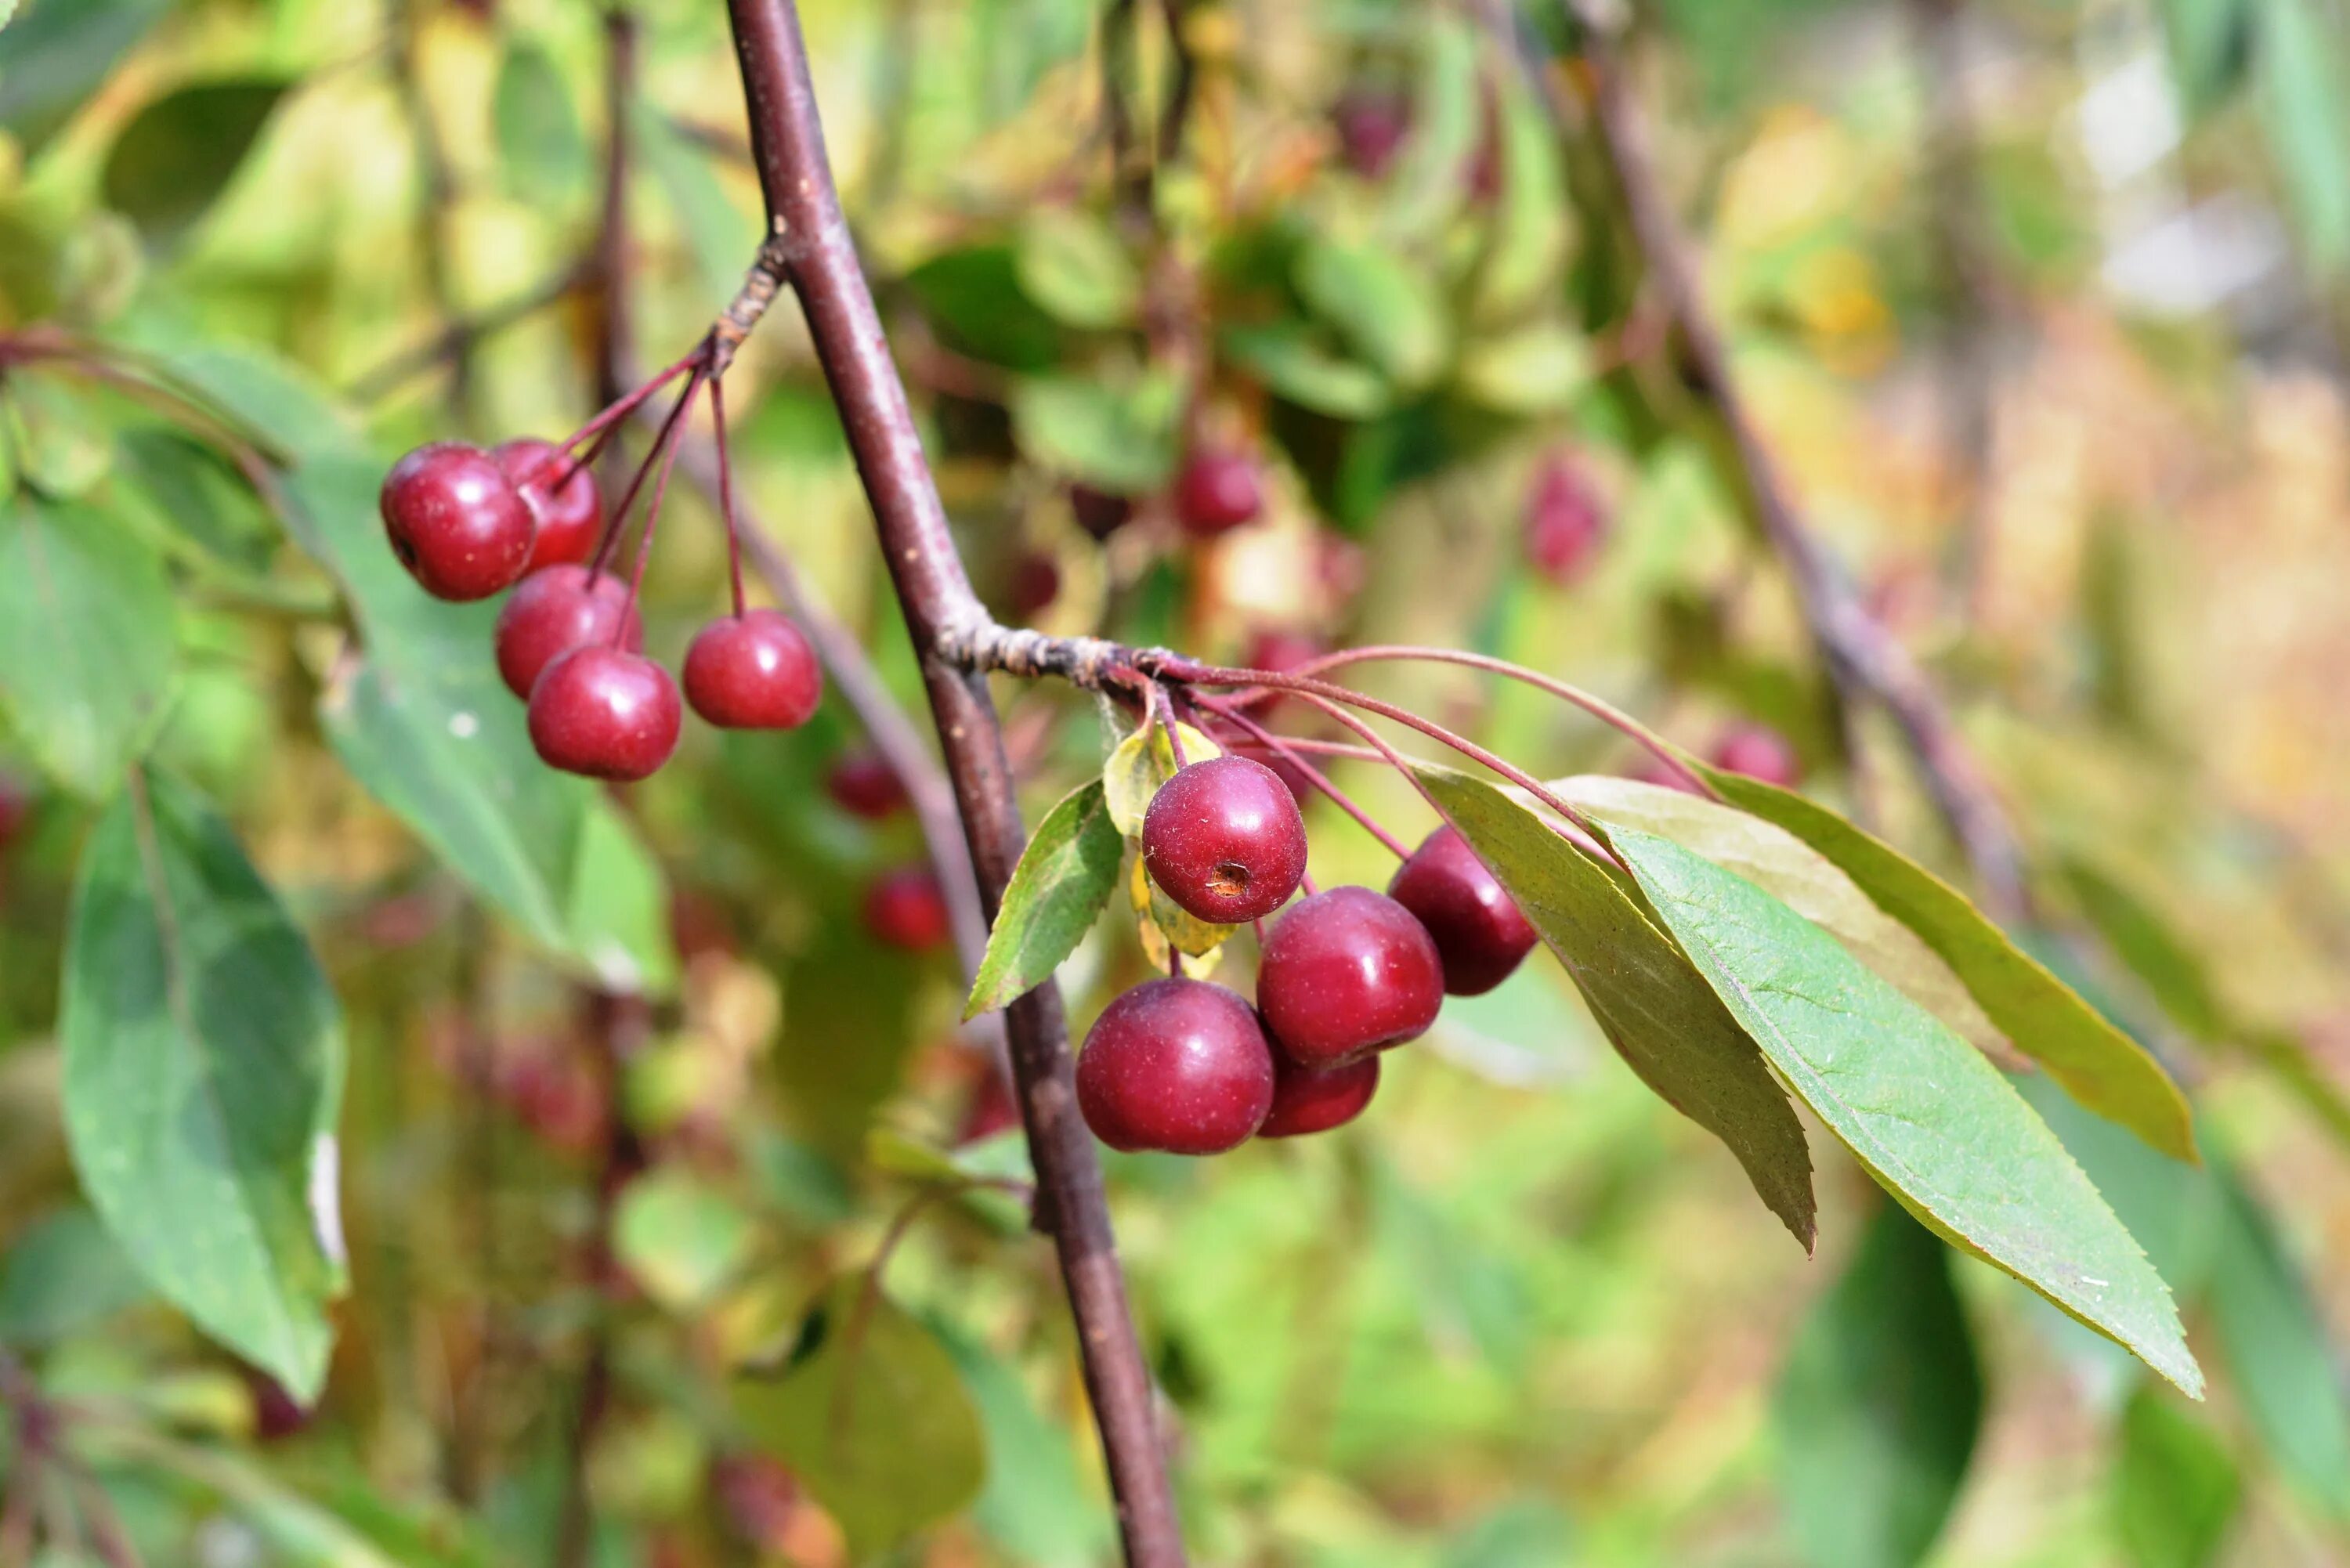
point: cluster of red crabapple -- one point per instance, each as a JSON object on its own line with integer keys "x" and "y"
{"x": 1188, "y": 1066}
{"x": 468, "y": 523}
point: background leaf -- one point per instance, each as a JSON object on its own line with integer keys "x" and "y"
{"x": 56, "y": 52}
{"x": 1065, "y": 878}
{"x": 173, "y": 162}
{"x": 1121, "y": 438}
{"x": 1071, "y": 264}
{"x": 2276, "y": 1351}
{"x": 872, "y": 1416}
{"x": 203, "y": 1062}
{"x": 86, "y": 640}
{"x": 1933, "y": 1121}
{"x": 62, "y": 1273}
{"x": 2176, "y": 1488}
{"x": 1880, "y": 1403}
{"x": 542, "y": 147}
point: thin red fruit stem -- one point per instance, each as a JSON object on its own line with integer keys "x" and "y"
{"x": 1174, "y": 730}
{"x": 1313, "y": 776}
{"x": 1599, "y": 708}
{"x": 653, "y": 515}
{"x": 1210, "y": 675}
{"x": 604, "y": 423}
{"x": 726, "y": 490}
{"x": 662, "y": 440}
{"x": 1572, "y": 830}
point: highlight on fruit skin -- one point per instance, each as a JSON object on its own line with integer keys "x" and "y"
{"x": 456, "y": 522}
{"x": 605, "y": 714}
{"x": 755, "y": 670}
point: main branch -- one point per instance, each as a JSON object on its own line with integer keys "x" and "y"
{"x": 810, "y": 241}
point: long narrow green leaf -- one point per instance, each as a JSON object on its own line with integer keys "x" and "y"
{"x": 1655, "y": 1009}
{"x": 2098, "y": 1065}
{"x": 1930, "y": 1118}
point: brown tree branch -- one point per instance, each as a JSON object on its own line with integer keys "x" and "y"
{"x": 820, "y": 263}
{"x": 1863, "y": 659}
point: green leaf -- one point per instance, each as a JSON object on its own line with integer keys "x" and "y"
{"x": 681, "y": 1238}
{"x": 617, "y": 918}
{"x": 2175, "y": 1486}
{"x": 1121, "y": 438}
{"x": 1800, "y": 876}
{"x": 1388, "y": 309}
{"x": 719, "y": 234}
{"x": 1035, "y": 1506}
{"x": 1065, "y": 876}
{"x": 2272, "y": 1339}
{"x": 88, "y": 648}
{"x": 272, "y": 401}
{"x": 1933, "y": 1121}
{"x": 1531, "y": 219}
{"x": 2209, "y": 46}
{"x": 175, "y": 157}
{"x": 974, "y": 299}
{"x": 1879, "y": 1405}
{"x": 64, "y": 1273}
{"x": 1528, "y": 370}
{"x": 874, "y": 1419}
{"x": 541, "y": 148}
{"x": 203, "y": 1063}
{"x": 1293, "y": 362}
{"x": 2301, "y": 89}
{"x": 2098, "y": 1065}
{"x": 54, "y": 56}
{"x": 1655, "y": 1009}
{"x": 1071, "y": 264}
{"x": 1531, "y": 1533}
{"x": 192, "y": 498}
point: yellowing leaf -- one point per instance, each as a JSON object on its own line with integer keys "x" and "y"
{"x": 1138, "y": 765}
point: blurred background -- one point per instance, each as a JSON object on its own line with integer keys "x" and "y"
{"x": 2037, "y": 308}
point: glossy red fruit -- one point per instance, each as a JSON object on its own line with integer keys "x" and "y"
{"x": 1179, "y": 1066}
{"x": 1347, "y": 972}
{"x": 1220, "y": 489}
{"x": 1565, "y": 521}
{"x": 1759, "y": 751}
{"x": 456, "y": 521}
{"x": 1100, "y": 513}
{"x": 1311, "y": 1100}
{"x": 276, "y": 1414}
{"x": 604, "y": 713}
{"x": 1479, "y": 932}
{"x": 1225, "y": 839}
{"x": 905, "y": 908}
{"x": 863, "y": 785}
{"x": 556, "y": 609}
{"x": 1373, "y": 123}
{"x": 570, "y": 514}
{"x": 755, "y": 670}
